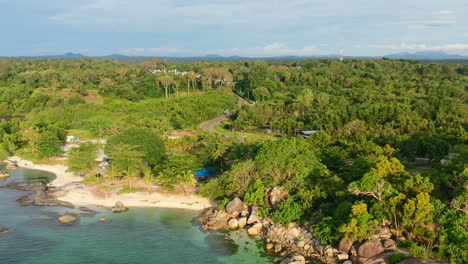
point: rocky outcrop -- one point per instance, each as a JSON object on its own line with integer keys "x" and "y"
{"x": 214, "y": 219}
{"x": 63, "y": 190}
{"x": 119, "y": 207}
{"x": 370, "y": 249}
{"x": 103, "y": 220}
{"x": 67, "y": 219}
{"x": 235, "y": 207}
{"x": 293, "y": 240}
{"x": 26, "y": 186}
{"x": 275, "y": 195}
{"x": 4, "y": 229}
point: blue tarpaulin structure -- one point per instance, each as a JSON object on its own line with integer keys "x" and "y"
{"x": 203, "y": 173}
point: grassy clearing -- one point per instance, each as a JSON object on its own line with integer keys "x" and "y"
{"x": 250, "y": 137}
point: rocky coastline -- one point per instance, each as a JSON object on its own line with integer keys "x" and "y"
{"x": 296, "y": 243}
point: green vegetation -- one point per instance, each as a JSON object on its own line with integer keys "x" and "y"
{"x": 390, "y": 141}
{"x": 81, "y": 159}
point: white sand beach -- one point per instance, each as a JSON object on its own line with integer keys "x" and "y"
{"x": 92, "y": 196}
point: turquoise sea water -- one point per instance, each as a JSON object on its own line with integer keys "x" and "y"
{"x": 140, "y": 235}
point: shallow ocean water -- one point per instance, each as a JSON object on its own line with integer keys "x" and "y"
{"x": 141, "y": 235}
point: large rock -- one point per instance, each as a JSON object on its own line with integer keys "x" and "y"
{"x": 342, "y": 256}
{"x": 293, "y": 231}
{"x": 119, "y": 207}
{"x": 385, "y": 233}
{"x": 26, "y": 200}
{"x": 389, "y": 244}
{"x": 254, "y": 217}
{"x": 4, "y": 229}
{"x": 242, "y": 222}
{"x": 370, "y": 249}
{"x": 233, "y": 224}
{"x": 214, "y": 219}
{"x": 275, "y": 195}
{"x": 67, "y": 219}
{"x": 252, "y": 231}
{"x": 235, "y": 207}
{"x": 345, "y": 246}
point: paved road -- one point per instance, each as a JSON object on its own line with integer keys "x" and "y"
{"x": 209, "y": 125}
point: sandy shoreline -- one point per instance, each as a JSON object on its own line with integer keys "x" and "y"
{"x": 88, "y": 196}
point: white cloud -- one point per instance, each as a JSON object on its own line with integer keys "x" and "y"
{"x": 456, "y": 47}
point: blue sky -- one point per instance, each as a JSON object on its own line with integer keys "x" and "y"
{"x": 232, "y": 27}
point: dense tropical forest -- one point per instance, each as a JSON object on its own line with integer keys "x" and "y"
{"x": 388, "y": 140}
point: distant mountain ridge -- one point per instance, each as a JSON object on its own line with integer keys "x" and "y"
{"x": 423, "y": 55}
{"x": 426, "y": 55}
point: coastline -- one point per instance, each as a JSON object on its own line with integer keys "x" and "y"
{"x": 87, "y": 196}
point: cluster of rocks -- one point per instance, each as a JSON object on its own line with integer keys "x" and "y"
{"x": 119, "y": 207}
{"x": 294, "y": 243}
{"x": 38, "y": 195}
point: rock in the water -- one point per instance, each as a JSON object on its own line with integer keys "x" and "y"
{"x": 235, "y": 207}
{"x": 86, "y": 209}
{"x": 253, "y": 216}
{"x": 242, "y": 222}
{"x": 370, "y": 249}
{"x": 258, "y": 226}
{"x": 269, "y": 246}
{"x": 214, "y": 219}
{"x": 25, "y": 200}
{"x": 4, "y": 175}
{"x": 103, "y": 220}
{"x": 66, "y": 204}
{"x": 389, "y": 244}
{"x": 233, "y": 224}
{"x": 252, "y": 231}
{"x": 3, "y": 229}
{"x": 119, "y": 207}
{"x": 67, "y": 219}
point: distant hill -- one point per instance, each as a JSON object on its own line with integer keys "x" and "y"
{"x": 426, "y": 55}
